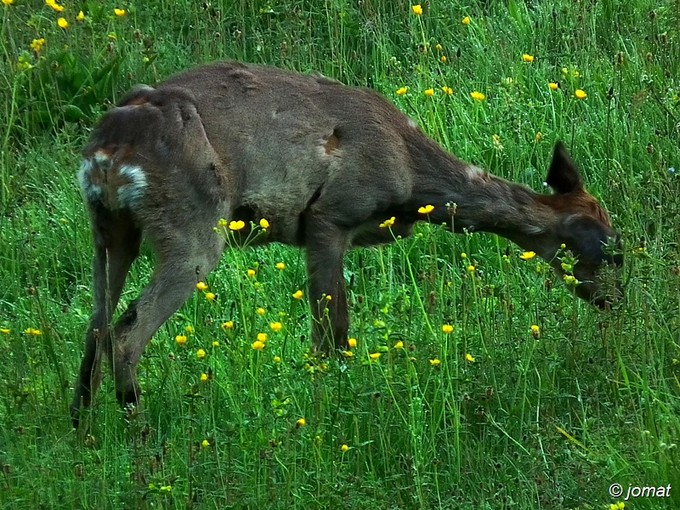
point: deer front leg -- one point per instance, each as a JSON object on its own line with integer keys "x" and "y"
{"x": 326, "y": 244}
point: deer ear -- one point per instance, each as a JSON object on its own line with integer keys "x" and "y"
{"x": 563, "y": 176}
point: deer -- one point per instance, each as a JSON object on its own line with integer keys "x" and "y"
{"x": 324, "y": 163}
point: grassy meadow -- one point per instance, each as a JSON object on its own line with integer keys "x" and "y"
{"x": 476, "y": 380}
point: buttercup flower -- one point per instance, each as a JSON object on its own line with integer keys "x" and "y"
{"x": 429, "y": 92}
{"x": 447, "y": 328}
{"x": 298, "y": 294}
{"x": 553, "y": 85}
{"x": 202, "y": 286}
{"x": 275, "y": 326}
{"x": 447, "y": 90}
{"x": 204, "y": 377}
{"x": 527, "y": 255}
{"x": 477, "y": 96}
{"x": 119, "y": 12}
{"x": 435, "y": 362}
{"x": 469, "y": 358}
{"x": 200, "y": 354}
{"x": 374, "y": 356}
{"x": 62, "y": 23}
{"x": 527, "y": 58}
{"x": 262, "y": 337}
{"x": 280, "y": 266}
{"x": 37, "y": 44}
{"x": 580, "y": 94}
{"x": 180, "y": 339}
{"x": 257, "y": 345}
{"x": 81, "y": 16}
{"x": 417, "y": 9}
{"x": 426, "y": 209}
{"x": 264, "y": 224}
{"x": 301, "y": 422}
{"x": 236, "y": 225}
{"x": 228, "y": 325}
{"x": 344, "y": 448}
{"x": 387, "y": 223}
{"x": 7, "y": 2}
{"x": 401, "y": 91}
{"x": 53, "y": 5}
{"x": 205, "y": 443}
{"x": 465, "y": 20}
{"x": 535, "y": 330}
{"x": 399, "y": 345}
{"x": 210, "y": 296}
{"x": 260, "y": 311}
{"x": 352, "y": 343}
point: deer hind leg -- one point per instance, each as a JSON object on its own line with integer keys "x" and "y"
{"x": 326, "y": 244}
{"x": 185, "y": 257}
{"x": 116, "y": 241}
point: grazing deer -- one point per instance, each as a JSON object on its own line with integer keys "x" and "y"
{"x": 324, "y": 163}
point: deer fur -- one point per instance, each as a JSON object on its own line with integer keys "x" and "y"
{"x": 324, "y": 163}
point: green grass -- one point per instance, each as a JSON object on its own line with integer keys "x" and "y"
{"x": 547, "y": 422}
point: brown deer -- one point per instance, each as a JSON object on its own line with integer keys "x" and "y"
{"x": 324, "y": 163}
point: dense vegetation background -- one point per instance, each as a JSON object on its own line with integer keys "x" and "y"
{"x": 531, "y": 400}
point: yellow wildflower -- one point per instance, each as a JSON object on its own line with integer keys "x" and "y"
{"x": 527, "y": 255}
{"x": 33, "y": 332}
{"x": 200, "y": 354}
{"x": 260, "y": 311}
{"x": 469, "y": 358}
{"x": 447, "y": 90}
{"x": 262, "y": 337}
{"x": 471, "y": 269}
{"x": 352, "y": 343}
{"x": 553, "y": 85}
{"x": 298, "y": 294}
{"x": 54, "y": 5}
{"x": 205, "y": 443}
{"x": 202, "y": 286}
{"x": 344, "y": 448}
{"x": 538, "y": 137}
{"x": 228, "y": 325}
{"x": 435, "y": 362}
{"x": 264, "y": 224}
{"x": 236, "y": 225}
{"x": 204, "y": 377}
{"x": 301, "y": 422}
{"x": 580, "y": 94}
{"x": 189, "y": 329}
{"x": 280, "y": 266}
{"x": 417, "y": 9}
{"x": 374, "y": 356}
{"x": 443, "y": 59}
{"x": 257, "y": 345}
{"x": 119, "y": 12}
{"x": 180, "y": 339}
{"x": 527, "y": 58}
{"x": 426, "y": 209}
{"x": 81, "y": 16}
{"x": 7, "y": 2}
{"x": 388, "y": 223}
{"x": 276, "y": 359}
{"x": 477, "y": 96}
{"x": 37, "y": 44}
{"x": 275, "y": 326}
{"x": 429, "y": 92}
{"x": 347, "y": 354}
{"x": 399, "y": 345}
{"x": 402, "y": 91}
{"x": 535, "y": 330}
{"x": 465, "y": 20}
{"x": 216, "y": 343}
{"x": 447, "y": 328}
{"x": 210, "y": 296}
{"x": 62, "y": 23}
{"x": 5, "y": 331}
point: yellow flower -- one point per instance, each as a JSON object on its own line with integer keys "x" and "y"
{"x": 62, "y": 23}
{"x": 280, "y": 266}
{"x": 443, "y": 59}
{"x": 210, "y": 296}
{"x": 54, "y": 6}
{"x": 347, "y": 354}
{"x": 301, "y": 422}
{"x": 469, "y": 358}
{"x": 298, "y": 294}
{"x": 447, "y": 90}
{"x": 463, "y": 255}
{"x": 435, "y": 362}
{"x": 202, "y": 286}
{"x": 387, "y": 223}
{"x": 352, "y": 343}
{"x": 257, "y": 345}
{"x": 276, "y": 359}
{"x": 189, "y": 329}
{"x": 527, "y": 58}
{"x": 33, "y": 332}
{"x": 205, "y": 443}
{"x": 236, "y": 225}
{"x": 471, "y": 269}
{"x": 262, "y": 337}
{"x": 553, "y": 85}
{"x": 477, "y": 96}
{"x": 37, "y": 44}
{"x": 264, "y": 224}
{"x": 119, "y": 12}
{"x": 7, "y": 2}
{"x": 399, "y": 345}
{"x": 344, "y": 448}
{"x": 538, "y": 136}
{"x": 438, "y": 47}
{"x": 228, "y": 325}
{"x": 5, "y": 331}
{"x": 204, "y": 377}
{"x": 527, "y": 255}
{"x": 215, "y": 343}
{"x": 465, "y": 20}
{"x": 200, "y": 354}
{"x": 580, "y": 94}
{"x": 417, "y": 9}
{"x": 535, "y": 331}
{"x": 260, "y": 311}
{"x": 81, "y": 16}
{"x": 401, "y": 91}
{"x": 374, "y": 356}
{"x": 447, "y": 328}
{"x": 250, "y": 273}
{"x": 426, "y": 209}
{"x": 180, "y": 339}
{"x": 275, "y": 326}
{"x": 429, "y": 92}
